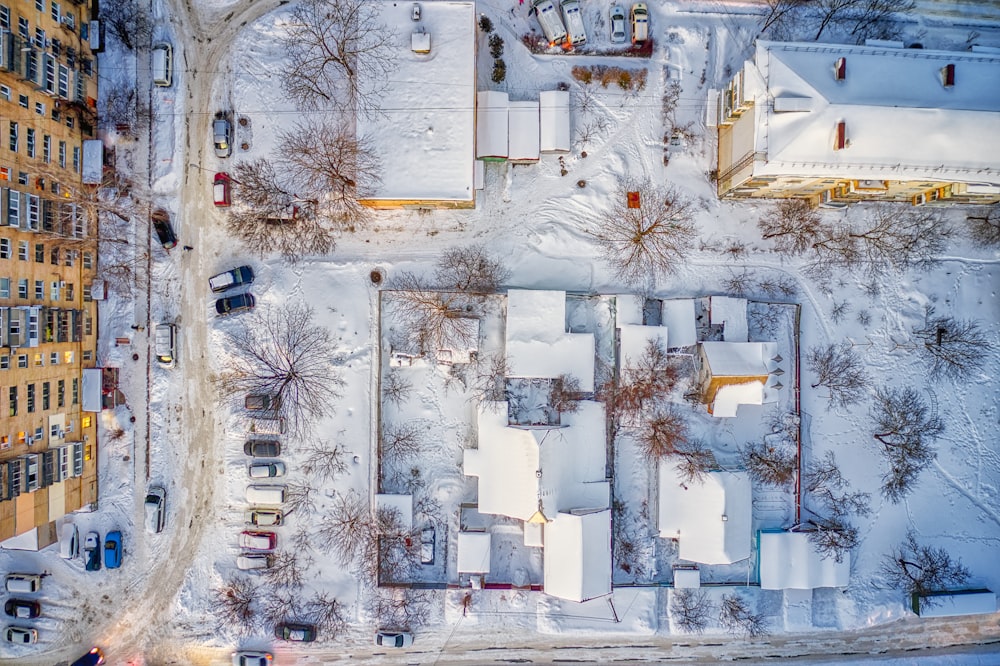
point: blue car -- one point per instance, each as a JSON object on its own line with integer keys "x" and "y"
{"x": 93, "y": 658}
{"x": 113, "y": 550}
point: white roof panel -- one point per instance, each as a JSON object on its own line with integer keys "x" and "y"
{"x": 492, "y": 111}
{"x": 729, "y": 397}
{"x": 474, "y": 552}
{"x": 537, "y": 343}
{"x": 523, "y": 132}
{"x": 577, "y": 558}
{"x": 554, "y": 121}
{"x": 633, "y": 341}
{"x": 735, "y": 359}
{"x": 732, "y": 314}
{"x": 678, "y": 316}
{"x": 789, "y": 562}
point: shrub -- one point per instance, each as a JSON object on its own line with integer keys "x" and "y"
{"x": 485, "y": 24}
{"x": 583, "y": 74}
{"x": 499, "y": 71}
{"x": 496, "y": 46}
{"x": 624, "y": 80}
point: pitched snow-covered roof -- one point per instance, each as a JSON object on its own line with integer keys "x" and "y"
{"x": 730, "y": 396}
{"x": 735, "y": 359}
{"x": 537, "y": 343}
{"x": 731, "y": 313}
{"x": 577, "y": 563}
{"x": 633, "y": 340}
{"x": 789, "y": 562}
{"x": 628, "y": 309}
{"x": 424, "y": 132}
{"x": 492, "y": 113}
{"x": 678, "y": 316}
{"x": 474, "y": 552}
{"x": 710, "y": 518}
{"x": 554, "y": 121}
{"x": 900, "y": 120}
{"x": 523, "y": 133}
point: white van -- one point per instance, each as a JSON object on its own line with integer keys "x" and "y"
{"x": 23, "y": 583}
{"x": 574, "y": 22}
{"x": 548, "y": 18}
{"x": 69, "y": 543}
{"x": 266, "y": 494}
{"x": 164, "y": 343}
{"x": 163, "y": 64}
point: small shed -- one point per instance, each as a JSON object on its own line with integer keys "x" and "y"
{"x": 492, "y": 112}
{"x": 577, "y": 564}
{"x": 958, "y": 602}
{"x": 788, "y": 561}
{"x": 523, "y": 133}
{"x": 731, "y": 314}
{"x": 679, "y": 318}
{"x": 474, "y": 552}
{"x": 553, "y": 111}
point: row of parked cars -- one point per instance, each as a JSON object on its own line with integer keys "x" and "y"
{"x": 232, "y": 280}
{"x": 568, "y": 28}
{"x": 257, "y": 544}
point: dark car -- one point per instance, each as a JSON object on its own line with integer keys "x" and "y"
{"x": 92, "y": 551}
{"x": 93, "y": 658}
{"x": 262, "y": 448}
{"x": 234, "y": 304}
{"x": 113, "y": 550}
{"x": 164, "y": 231}
{"x": 262, "y": 402}
{"x": 287, "y": 631}
{"x": 233, "y": 279}
{"x": 21, "y": 609}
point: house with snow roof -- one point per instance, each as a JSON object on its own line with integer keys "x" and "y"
{"x": 537, "y": 342}
{"x": 836, "y": 123}
{"x": 425, "y": 130}
{"x": 789, "y": 561}
{"x": 737, "y": 373}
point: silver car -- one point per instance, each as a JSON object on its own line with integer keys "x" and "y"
{"x": 222, "y": 136}
{"x": 618, "y": 34}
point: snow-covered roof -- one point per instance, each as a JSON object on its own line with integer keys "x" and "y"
{"x": 424, "y": 132}
{"x": 901, "y": 121}
{"x": 710, "y": 517}
{"x": 401, "y": 503}
{"x": 554, "y": 121}
{"x": 966, "y": 602}
{"x": 633, "y": 340}
{"x": 789, "y": 562}
{"x": 474, "y": 552}
{"x": 564, "y": 467}
{"x": 492, "y": 110}
{"x": 93, "y": 381}
{"x": 731, "y": 313}
{"x": 537, "y": 343}
{"x": 577, "y": 564}
{"x": 735, "y": 359}
{"x": 730, "y": 396}
{"x": 628, "y": 309}
{"x": 678, "y": 316}
{"x": 523, "y": 132}
{"x": 687, "y": 578}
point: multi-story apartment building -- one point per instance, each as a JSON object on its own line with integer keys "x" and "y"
{"x": 48, "y": 335}
{"x": 834, "y": 123}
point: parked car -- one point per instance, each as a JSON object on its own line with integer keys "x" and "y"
{"x": 258, "y": 540}
{"x": 237, "y": 277}
{"x": 23, "y": 583}
{"x": 221, "y": 189}
{"x": 164, "y": 230}
{"x": 21, "y": 635}
{"x": 93, "y": 658}
{"x": 92, "y": 551}
{"x": 262, "y": 402}
{"x": 222, "y": 136}
{"x": 575, "y": 31}
{"x": 415, "y": 11}
{"x": 640, "y": 23}
{"x": 548, "y": 18}
{"x": 394, "y": 639}
{"x": 69, "y": 544}
{"x": 262, "y": 448}
{"x": 618, "y": 35}
{"x": 252, "y": 658}
{"x": 288, "y": 631}
{"x": 21, "y": 609}
{"x": 266, "y": 470}
{"x": 155, "y": 507}
{"x": 164, "y": 343}
{"x": 252, "y": 562}
{"x": 263, "y": 517}
{"x": 113, "y": 550}
{"x": 234, "y": 304}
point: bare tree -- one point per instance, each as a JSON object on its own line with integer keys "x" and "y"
{"x": 648, "y": 240}
{"x": 781, "y": 16}
{"x": 921, "y": 570}
{"x": 694, "y": 460}
{"x": 430, "y": 318}
{"x": 287, "y": 569}
{"x": 824, "y": 482}
{"x": 299, "y": 497}
{"x": 401, "y": 441}
{"x": 877, "y": 19}
{"x": 564, "y": 394}
{"x": 840, "y": 370}
{"x": 124, "y": 109}
{"x": 644, "y": 382}
{"x": 281, "y": 604}
{"x": 402, "y": 608}
{"x": 663, "y": 435}
{"x": 954, "y": 348}
{"x": 833, "y": 537}
{"x": 737, "y": 618}
{"x": 283, "y": 353}
{"x": 905, "y": 427}
{"x": 395, "y": 387}
{"x": 690, "y": 610}
{"x": 128, "y": 22}
{"x": 327, "y": 613}
{"x": 984, "y": 225}
{"x": 325, "y": 460}
{"x": 340, "y": 52}
{"x": 473, "y": 268}
{"x": 343, "y": 529}
{"x": 489, "y": 381}
{"x": 794, "y": 226}
{"x": 234, "y": 604}
{"x": 773, "y": 465}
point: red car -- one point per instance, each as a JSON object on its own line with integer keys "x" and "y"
{"x": 222, "y": 189}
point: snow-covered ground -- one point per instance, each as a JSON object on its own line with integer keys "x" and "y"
{"x": 159, "y": 606}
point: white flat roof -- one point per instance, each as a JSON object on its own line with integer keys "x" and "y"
{"x": 628, "y": 309}
{"x": 425, "y": 132}
{"x": 710, "y": 518}
{"x": 961, "y": 603}
{"x": 729, "y": 397}
{"x": 732, "y": 314}
{"x": 554, "y": 121}
{"x": 474, "y": 552}
{"x": 789, "y": 562}
{"x": 633, "y": 340}
{"x": 537, "y": 343}
{"x": 492, "y": 121}
{"x": 678, "y": 316}
{"x": 523, "y": 134}
{"x": 735, "y": 359}
{"x": 577, "y": 558}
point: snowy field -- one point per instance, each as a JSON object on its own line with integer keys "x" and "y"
{"x": 161, "y": 608}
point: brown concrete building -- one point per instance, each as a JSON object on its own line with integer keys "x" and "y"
{"x": 48, "y": 334}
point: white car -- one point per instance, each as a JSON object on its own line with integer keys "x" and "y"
{"x": 394, "y": 639}
{"x": 266, "y": 470}
{"x": 21, "y": 635}
{"x": 251, "y": 562}
{"x": 252, "y": 658}
{"x": 618, "y": 34}
{"x": 258, "y": 540}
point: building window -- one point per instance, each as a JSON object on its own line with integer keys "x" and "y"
{"x": 39, "y": 359}
{"x": 68, "y": 358}
{"x": 86, "y": 422}
{"x": 62, "y": 153}
{"x": 23, "y": 100}
{"x": 22, "y": 361}
{"x": 76, "y": 159}
{"x": 88, "y": 327}
{"x": 30, "y": 398}
{"x": 30, "y": 142}
{"x": 46, "y": 395}
{"x": 13, "y": 136}
{"x": 70, "y": 258}
{"x": 39, "y": 38}
{"x": 12, "y": 394}
{"x": 39, "y": 290}
{"x": 63, "y": 81}
{"x": 54, "y": 358}
{"x": 56, "y": 11}
{"x": 55, "y": 290}
{"x": 69, "y": 291}
{"x": 5, "y": 362}
{"x": 5, "y": 93}
{"x": 39, "y": 108}
{"x": 88, "y": 260}
{"x": 47, "y": 148}
{"x": 4, "y": 17}
{"x": 88, "y": 355}
{"x": 70, "y": 122}
{"x": 23, "y": 29}
{"x": 22, "y": 288}
{"x": 39, "y": 253}
{"x": 39, "y": 433}
{"x": 22, "y": 250}
{"x": 13, "y": 208}
{"x": 40, "y": 5}
{"x": 22, "y": 177}
{"x": 4, "y": 173}
{"x": 61, "y": 393}
{"x": 5, "y": 287}
{"x": 76, "y": 390}
{"x": 54, "y": 256}
{"x": 87, "y": 296}
{"x": 4, "y": 248}
{"x": 54, "y": 431}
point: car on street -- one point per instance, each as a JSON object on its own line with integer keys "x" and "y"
{"x": 393, "y": 639}
{"x": 573, "y": 17}
{"x": 221, "y": 189}
{"x": 640, "y": 23}
{"x": 258, "y": 540}
{"x": 618, "y": 35}
{"x": 113, "y": 550}
{"x": 549, "y": 19}
{"x": 92, "y": 551}
{"x": 234, "y": 304}
{"x": 164, "y": 344}
{"x": 21, "y": 635}
{"x": 164, "y": 230}
{"x": 251, "y": 562}
{"x": 231, "y": 279}
{"x": 252, "y": 658}
{"x": 288, "y": 631}
{"x": 262, "y": 448}
{"x": 263, "y": 517}
{"x": 155, "y": 508}
{"x": 222, "y": 136}
{"x": 262, "y": 402}
{"x": 266, "y": 470}
{"x": 93, "y": 658}
{"x": 21, "y": 609}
